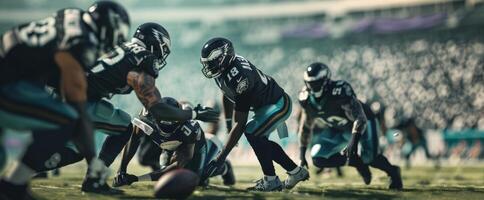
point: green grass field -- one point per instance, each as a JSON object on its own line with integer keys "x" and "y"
{"x": 420, "y": 183}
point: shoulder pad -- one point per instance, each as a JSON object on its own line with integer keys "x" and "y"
{"x": 75, "y": 31}
{"x": 142, "y": 58}
{"x": 342, "y": 88}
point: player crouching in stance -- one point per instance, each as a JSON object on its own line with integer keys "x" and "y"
{"x": 247, "y": 88}
{"x": 334, "y": 104}
{"x": 185, "y": 139}
{"x": 32, "y": 55}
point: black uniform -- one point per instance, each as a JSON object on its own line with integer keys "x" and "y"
{"x": 328, "y": 110}
{"x": 248, "y": 87}
{"x": 27, "y": 51}
{"x": 108, "y": 76}
{"x": 188, "y": 132}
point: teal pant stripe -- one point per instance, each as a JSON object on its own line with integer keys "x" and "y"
{"x": 274, "y": 119}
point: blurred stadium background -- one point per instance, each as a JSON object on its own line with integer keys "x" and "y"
{"x": 418, "y": 59}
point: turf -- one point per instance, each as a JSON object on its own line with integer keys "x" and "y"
{"x": 420, "y": 183}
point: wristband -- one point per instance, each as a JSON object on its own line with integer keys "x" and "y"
{"x": 228, "y": 123}
{"x": 194, "y": 114}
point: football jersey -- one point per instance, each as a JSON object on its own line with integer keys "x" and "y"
{"x": 109, "y": 75}
{"x": 247, "y": 87}
{"x": 27, "y": 51}
{"x": 188, "y": 132}
{"x": 328, "y": 110}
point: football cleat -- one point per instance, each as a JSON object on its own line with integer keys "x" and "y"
{"x": 293, "y": 179}
{"x": 264, "y": 185}
{"x": 229, "y": 176}
{"x": 95, "y": 180}
{"x": 10, "y": 191}
{"x": 365, "y": 173}
{"x": 395, "y": 179}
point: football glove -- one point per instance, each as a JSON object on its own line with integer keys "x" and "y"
{"x": 123, "y": 178}
{"x": 205, "y": 114}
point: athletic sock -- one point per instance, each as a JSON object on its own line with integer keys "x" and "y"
{"x": 294, "y": 171}
{"x": 270, "y": 178}
{"x": 20, "y": 174}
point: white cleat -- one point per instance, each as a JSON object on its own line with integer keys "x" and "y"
{"x": 264, "y": 185}
{"x": 293, "y": 179}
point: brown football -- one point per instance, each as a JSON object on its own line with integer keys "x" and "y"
{"x": 176, "y": 184}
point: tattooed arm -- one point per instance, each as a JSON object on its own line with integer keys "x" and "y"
{"x": 146, "y": 91}
{"x": 354, "y": 111}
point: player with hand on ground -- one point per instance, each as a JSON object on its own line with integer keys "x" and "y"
{"x": 59, "y": 48}
{"x": 184, "y": 139}
{"x": 334, "y": 104}
{"x": 131, "y": 66}
{"x": 246, "y": 88}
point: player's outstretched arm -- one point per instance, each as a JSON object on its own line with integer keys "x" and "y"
{"x": 304, "y": 133}
{"x": 130, "y": 149}
{"x": 355, "y": 112}
{"x": 144, "y": 87}
{"x": 73, "y": 87}
{"x": 240, "y": 121}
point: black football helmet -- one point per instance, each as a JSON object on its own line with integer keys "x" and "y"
{"x": 112, "y": 23}
{"x": 217, "y": 54}
{"x": 316, "y": 77}
{"x": 156, "y": 39}
{"x": 168, "y": 127}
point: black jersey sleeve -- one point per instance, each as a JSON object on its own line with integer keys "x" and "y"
{"x": 76, "y": 37}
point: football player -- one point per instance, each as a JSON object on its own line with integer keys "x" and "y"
{"x": 414, "y": 137}
{"x": 58, "y": 47}
{"x": 131, "y": 66}
{"x": 315, "y": 128}
{"x": 246, "y": 88}
{"x": 184, "y": 139}
{"x": 334, "y": 104}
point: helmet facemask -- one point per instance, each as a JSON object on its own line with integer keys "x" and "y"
{"x": 316, "y": 84}
{"x": 214, "y": 63}
{"x": 162, "y": 51}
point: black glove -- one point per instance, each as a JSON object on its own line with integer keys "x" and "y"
{"x": 206, "y": 114}
{"x": 123, "y": 178}
{"x": 214, "y": 167}
{"x": 302, "y": 156}
{"x": 352, "y": 148}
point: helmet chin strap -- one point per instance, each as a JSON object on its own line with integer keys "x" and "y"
{"x": 318, "y": 94}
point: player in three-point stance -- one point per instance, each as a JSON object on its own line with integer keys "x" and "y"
{"x": 245, "y": 89}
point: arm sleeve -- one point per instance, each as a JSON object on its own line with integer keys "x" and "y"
{"x": 353, "y": 108}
